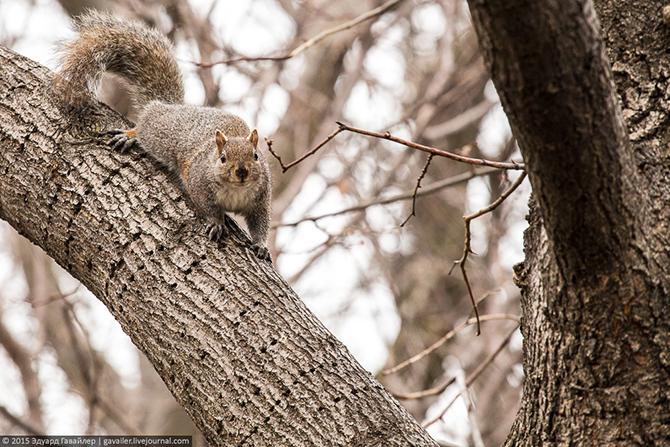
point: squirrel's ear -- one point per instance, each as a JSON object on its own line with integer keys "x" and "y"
{"x": 221, "y": 140}
{"x": 253, "y": 137}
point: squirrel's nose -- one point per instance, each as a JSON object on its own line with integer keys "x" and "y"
{"x": 242, "y": 172}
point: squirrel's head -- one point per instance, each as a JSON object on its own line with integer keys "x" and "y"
{"x": 238, "y": 159}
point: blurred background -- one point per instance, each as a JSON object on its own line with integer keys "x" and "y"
{"x": 385, "y": 289}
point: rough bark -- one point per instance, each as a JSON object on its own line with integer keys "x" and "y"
{"x": 234, "y": 344}
{"x": 595, "y": 280}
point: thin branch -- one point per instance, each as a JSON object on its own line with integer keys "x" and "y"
{"x": 23, "y": 359}
{"x": 475, "y": 374}
{"x": 425, "y": 393}
{"x": 445, "y": 338}
{"x": 475, "y": 433}
{"x": 459, "y": 122}
{"x": 431, "y": 150}
{"x": 345, "y": 26}
{"x": 199, "y": 30}
{"x": 416, "y": 188}
{"x": 118, "y": 417}
{"x": 311, "y": 152}
{"x": 499, "y": 200}
{"x": 27, "y": 427}
{"x": 432, "y": 188}
{"x": 91, "y": 367}
{"x": 56, "y": 297}
{"x": 314, "y": 40}
{"x": 321, "y": 250}
{"x": 467, "y": 245}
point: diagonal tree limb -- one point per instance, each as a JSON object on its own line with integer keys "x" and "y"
{"x": 234, "y": 344}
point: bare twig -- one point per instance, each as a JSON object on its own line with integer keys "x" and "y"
{"x": 345, "y": 26}
{"x": 432, "y": 188}
{"x": 475, "y": 374}
{"x": 200, "y": 31}
{"x": 475, "y": 433}
{"x": 28, "y": 428}
{"x": 323, "y": 248}
{"x": 311, "y": 152}
{"x": 91, "y": 368}
{"x": 56, "y": 297}
{"x": 118, "y": 417}
{"x": 459, "y": 122}
{"x": 431, "y": 150}
{"x": 445, "y": 338}
{"x": 425, "y": 393}
{"x": 274, "y": 154}
{"x": 23, "y": 359}
{"x": 467, "y": 245}
{"x": 314, "y": 40}
{"x": 416, "y": 188}
{"x": 499, "y": 200}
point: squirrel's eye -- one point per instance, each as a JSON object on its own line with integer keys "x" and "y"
{"x": 256, "y": 156}
{"x": 223, "y": 158}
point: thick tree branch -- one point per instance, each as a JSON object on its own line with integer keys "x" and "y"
{"x": 556, "y": 87}
{"x": 595, "y": 285}
{"x": 234, "y": 344}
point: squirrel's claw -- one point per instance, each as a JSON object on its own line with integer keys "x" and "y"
{"x": 261, "y": 252}
{"x": 121, "y": 142}
{"x": 215, "y": 231}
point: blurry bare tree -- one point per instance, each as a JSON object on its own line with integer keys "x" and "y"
{"x": 413, "y": 69}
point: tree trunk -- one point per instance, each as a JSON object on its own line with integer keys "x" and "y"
{"x": 595, "y": 280}
{"x": 234, "y": 344}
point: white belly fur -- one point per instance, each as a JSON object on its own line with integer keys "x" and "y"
{"x": 235, "y": 199}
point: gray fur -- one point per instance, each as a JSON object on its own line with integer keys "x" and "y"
{"x": 180, "y": 137}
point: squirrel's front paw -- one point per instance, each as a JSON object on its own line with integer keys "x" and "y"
{"x": 261, "y": 252}
{"x": 122, "y": 140}
{"x": 215, "y": 231}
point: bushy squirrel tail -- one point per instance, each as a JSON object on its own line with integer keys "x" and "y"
{"x": 141, "y": 56}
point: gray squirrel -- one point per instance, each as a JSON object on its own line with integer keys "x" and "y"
{"x": 214, "y": 154}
